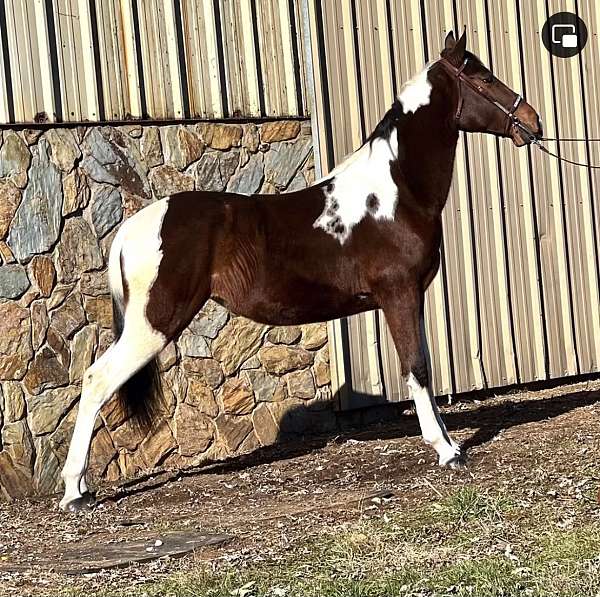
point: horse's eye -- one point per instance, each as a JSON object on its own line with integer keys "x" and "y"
{"x": 489, "y": 79}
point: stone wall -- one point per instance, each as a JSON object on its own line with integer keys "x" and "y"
{"x": 231, "y": 385}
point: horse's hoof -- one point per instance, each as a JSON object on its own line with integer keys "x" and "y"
{"x": 85, "y": 502}
{"x": 456, "y": 461}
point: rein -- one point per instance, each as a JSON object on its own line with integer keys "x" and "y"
{"x": 511, "y": 118}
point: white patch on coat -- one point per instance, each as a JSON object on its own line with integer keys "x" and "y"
{"x": 416, "y": 92}
{"x": 365, "y": 172}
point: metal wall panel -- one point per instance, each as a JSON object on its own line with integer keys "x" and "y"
{"x": 517, "y": 296}
{"x": 113, "y": 60}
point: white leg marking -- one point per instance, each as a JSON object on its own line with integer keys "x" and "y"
{"x": 432, "y": 427}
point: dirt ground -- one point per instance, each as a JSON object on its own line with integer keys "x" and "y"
{"x": 269, "y": 501}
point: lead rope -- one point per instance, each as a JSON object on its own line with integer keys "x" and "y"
{"x": 538, "y": 143}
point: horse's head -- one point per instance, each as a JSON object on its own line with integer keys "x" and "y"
{"x": 483, "y": 103}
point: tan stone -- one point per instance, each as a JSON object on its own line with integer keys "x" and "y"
{"x": 301, "y": 385}
{"x": 58, "y": 295}
{"x": 102, "y": 452}
{"x": 46, "y": 471}
{"x": 128, "y": 437}
{"x": 238, "y": 341}
{"x": 14, "y": 402}
{"x": 266, "y": 428}
{"x": 233, "y": 430}
{"x": 14, "y": 481}
{"x": 279, "y": 131}
{"x": 201, "y": 397}
{"x": 237, "y": 397}
{"x": 282, "y": 359}
{"x": 322, "y": 372}
{"x": 83, "y": 347}
{"x": 69, "y": 317}
{"x": 208, "y": 369}
{"x": 284, "y": 334}
{"x": 168, "y": 356}
{"x": 76, "y": 193}
{"x": 94, "y": 283}
{"x": 10, "y": 197}
{"x": 132, "y": 203}
{"x": 15, "y": 341}
{"x": 47, "y": 409}
{"x": 77, "y": 251}
{"x": 151, "y": 147}
{"x": 194, "y": 431}
{"x": 112, "y": 414}
{"x": 39, "y": 324}
{"x": 220, "y": 136}
{"x": 251, "y": 138}
{"x": 43, "y": 274}
{"x": 45, "y": 372}
{"x": 17, "y": 441}
{"x": 60, "y": 439}
{"x": 167, "y": 180}
{"x": 157, "y": 445}
{"x": 58, "y": 344}
{"x": 64, "y": 148}
{"x": 314, "y": 335}
{"x": 6, "y": 254}
{"x": 250, "y": 444}
{"x": 99, "y": 310}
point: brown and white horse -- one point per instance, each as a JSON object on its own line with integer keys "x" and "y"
{"x": 367, "y": 236}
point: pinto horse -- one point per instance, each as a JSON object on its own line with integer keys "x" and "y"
{"x": 367, "y": 236}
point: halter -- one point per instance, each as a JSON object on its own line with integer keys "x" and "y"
{"x": 511, "y": 118}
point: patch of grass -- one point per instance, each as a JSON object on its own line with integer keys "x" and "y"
{"x": 470, "y": 503}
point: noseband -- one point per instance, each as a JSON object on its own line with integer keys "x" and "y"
{"x": 511, "y": 118}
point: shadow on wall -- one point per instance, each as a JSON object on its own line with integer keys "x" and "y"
{"x": 386, "y": 422}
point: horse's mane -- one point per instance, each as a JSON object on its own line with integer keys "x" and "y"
{"x": 386, "y": 125}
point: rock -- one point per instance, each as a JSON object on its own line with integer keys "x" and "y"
{"x": 282, "y": 359}
{"x": 191, "y": 345}
{"x": 83, "y": 347}
{"x": 168, "y": 357}
{"x": 220, "y": 136}
{"x": 284, "y": 335}
{"x": 61, "y": 291}
{"x": 201, "y": 397}
{"x": 69, "y": 317}
{"x": 232, "y": 430}
{"x": 128, "y": 437}
{"x": 112, "y": 414}
{"x": 99, "y": 310}
{"x": 60, "y": 439}
{"x": 322, "y": 369}
{"x": 252, "y": 363}
{"x": 94, "y": 283}
{"x": 15, "y": 341}
{"x": 102, "y": 451}
{"x": 10, "y": 198}
{"x": 6, "y": 255}
{"x": 13, "y": 281}
{"x": 36, "y": 224}
{"x": 157, "y": 445}
{"x": 213, "y": 170}
{"x": 58, "y": 344}
{"x": 167, "y": 180}
{"x": 45, "y": 372}
{"x": 39, "y": 324}
{"x": 46, "y": 471}
{"x": 298, "y": 183}
{"x": 151, "y": 147}
{"x": 251, "y": 138}
{"x": 210, "y": 321}
{"x": 15, "y": 481}
{"x": 132, "y": 204}
{"x": 301, "y": 385}
{"x": 263, "y": 384}
{"x": 194, "y": 431}
{"x": 43, "y": 274}
{"x": 181, "y": 146}
{"x": 284, "y": 159}
{"x": 314, "y": 335}
{"x": 265, "y": 426}
{"x": 209, "y": 370}
{"x": 76, "y": 193}
{"x": 18, "y": 442}
{"x": 31, "y": 136}
{"x": 64, "y": 148}
{"x": 14, "y": 160}
{"x": 238, "y": 341}
{"x": 77, "y": 251}
{"x": 249, "y": 179}
{"x": 106, "y": 209}
{"x": 282, "y": 130}
{"x": 237, "y": 397}
{"x": 14, "y": 402}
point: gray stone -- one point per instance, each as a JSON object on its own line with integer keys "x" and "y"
{"x": 284, "y": 335}
{"x": 83, "y": 347}
{"x": 106, "y": 209}
{"x": 13, "y": 281}
{"x": 207, "y": 173}
{"x": 94, "y": 283}
{"x": 252, "y": 363}
{"x": 151, "y": 147}
{"x": 263, "y": 384}
{"x": 192, "y": 345}
{"x": 249, "y": 179}
{"x": 284, "y": 159}
{"x": 210, "y": 321}
{"x": 78, "y": 251}
{"x": 36, "y": 225}
{"x": 298, "y": 183}
{"x": 46, "y": 410}
{"x": 64, "y": 148}
{"x": 14, "y": 160}
{"x": 46, "y": 470}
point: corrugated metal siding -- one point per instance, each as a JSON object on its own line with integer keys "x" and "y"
{"x": 111, "y": 60}
{"x": 517, "y": 295}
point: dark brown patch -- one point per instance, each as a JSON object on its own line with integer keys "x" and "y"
{"x": 372, "y": 203}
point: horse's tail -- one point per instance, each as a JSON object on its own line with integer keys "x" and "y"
{"x": 140, "y": 397}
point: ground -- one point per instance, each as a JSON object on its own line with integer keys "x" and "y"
{"x": 364, "y": 514}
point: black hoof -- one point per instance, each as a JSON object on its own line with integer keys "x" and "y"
{"x": 85, "y": 502}
{"x": 458, "y": 463}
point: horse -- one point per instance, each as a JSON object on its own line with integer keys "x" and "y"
{"x": 366, "y": 236}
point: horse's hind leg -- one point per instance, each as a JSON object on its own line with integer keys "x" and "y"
{"x": 404, "y": 313}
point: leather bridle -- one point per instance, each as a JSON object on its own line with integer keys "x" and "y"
{"x": 512, "y": 120}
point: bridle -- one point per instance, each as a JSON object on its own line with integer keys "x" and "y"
{"x": 512, "y": 120}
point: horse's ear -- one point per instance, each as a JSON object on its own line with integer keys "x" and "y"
{"x": 461, "y": 46}
{"x": 450, "y": 41}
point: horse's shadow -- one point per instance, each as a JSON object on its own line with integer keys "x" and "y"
{"x": 390, "y": 421}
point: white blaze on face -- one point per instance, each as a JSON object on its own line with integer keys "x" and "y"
{"x": 416, "y": 92}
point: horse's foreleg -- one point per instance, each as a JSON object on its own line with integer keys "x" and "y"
{"x": 404, "y": 313}
{"x": 101, "y": 380}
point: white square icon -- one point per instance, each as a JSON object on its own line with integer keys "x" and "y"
{"x": 569, "y": 41}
